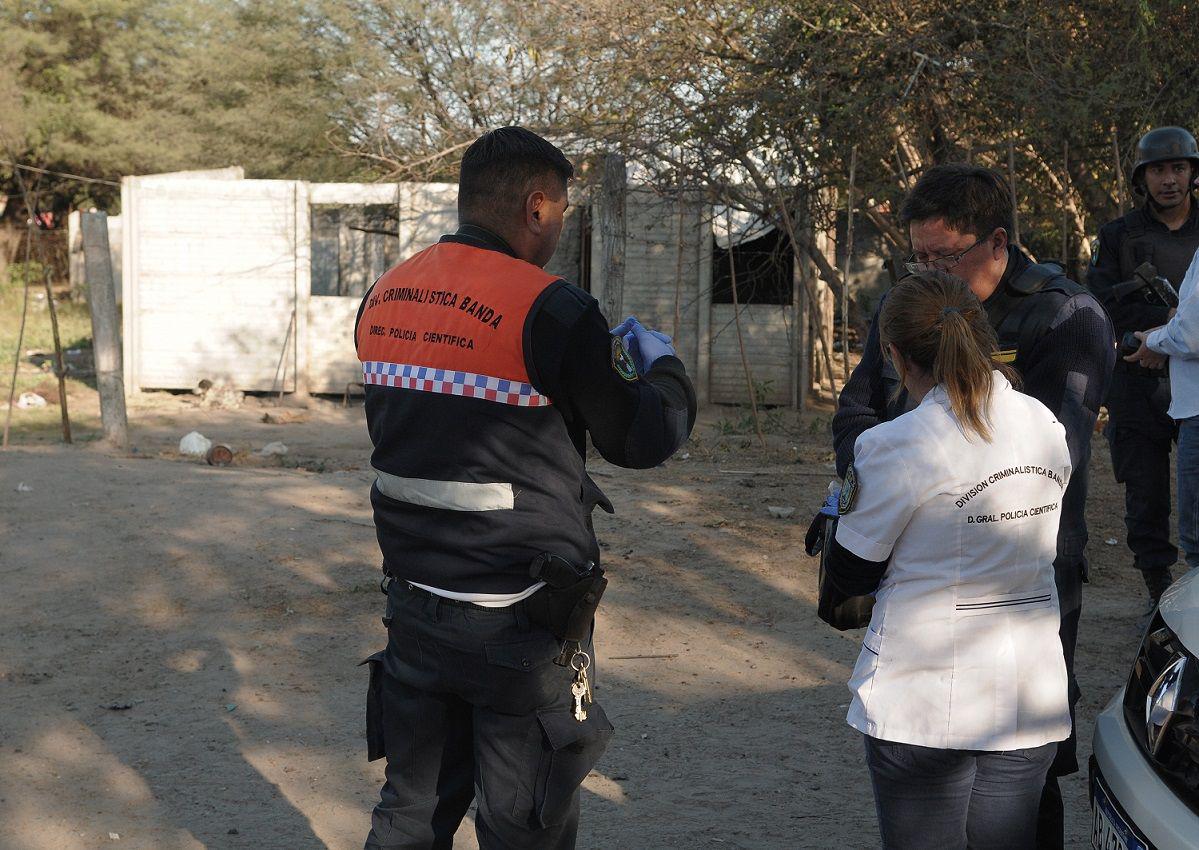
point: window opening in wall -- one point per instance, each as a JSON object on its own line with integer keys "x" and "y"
{"x": 765, "y": 269}
{"x": 352, "y": 245}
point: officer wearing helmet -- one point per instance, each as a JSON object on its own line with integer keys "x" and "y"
{"x": 1132, "y": 255}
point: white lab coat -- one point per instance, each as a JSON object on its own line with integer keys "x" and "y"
{"x": 962, "y": 651}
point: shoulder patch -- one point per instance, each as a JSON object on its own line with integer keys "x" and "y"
{"x": 622, "y": 363}
{"x": 849, "y": 492}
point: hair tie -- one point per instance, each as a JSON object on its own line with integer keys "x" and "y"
{"x": 945, "y": 311}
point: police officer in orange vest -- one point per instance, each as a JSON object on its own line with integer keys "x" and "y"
{"x": 484, "y": 377}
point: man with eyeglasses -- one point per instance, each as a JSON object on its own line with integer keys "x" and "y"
{"x": 1158, "y": 238}
{"x": 1050, "y": 329}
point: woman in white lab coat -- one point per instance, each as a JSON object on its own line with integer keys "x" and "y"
{"x": 950, "y": 515}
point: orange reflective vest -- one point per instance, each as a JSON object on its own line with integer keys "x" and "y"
{"x": 475, "y": 470}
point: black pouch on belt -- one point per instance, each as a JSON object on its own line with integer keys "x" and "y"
{"x": 567, "y": 604}
{"x": 839, "y": 610}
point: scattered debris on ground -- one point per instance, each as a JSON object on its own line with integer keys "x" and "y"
{"x": 28, "y": 401}
{"x": 194, "y": 444}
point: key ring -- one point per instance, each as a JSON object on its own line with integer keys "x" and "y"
{"x": 586, "y": 661}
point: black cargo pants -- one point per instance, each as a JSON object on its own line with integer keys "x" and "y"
{"x": 467, "y": 703}
{"x": 1068, "y": 574}
{"x": 1140, "y": 434}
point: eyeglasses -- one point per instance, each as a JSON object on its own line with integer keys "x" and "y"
{"x": 944, "y": 263}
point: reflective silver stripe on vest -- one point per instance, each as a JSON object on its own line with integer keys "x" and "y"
{"x": 448, "y": 495}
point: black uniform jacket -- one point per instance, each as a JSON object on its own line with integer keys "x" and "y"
{"x": 1067, "y": 369}
{"x": 429, "y": 441}
{"x": 1114, "y": 263}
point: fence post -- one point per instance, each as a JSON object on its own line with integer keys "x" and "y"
{"x": 612, "y": 236}
{"x": 106, "y": 337}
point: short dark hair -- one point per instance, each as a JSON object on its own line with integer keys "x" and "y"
{"x": 501, "y": 167}
{"x": 970, "y": 198}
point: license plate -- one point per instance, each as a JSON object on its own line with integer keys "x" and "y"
{"x": 1109, "y": 830}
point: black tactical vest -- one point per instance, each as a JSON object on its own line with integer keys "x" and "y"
{"x": 1171, "y": 252}
{"x": 1019, "y": 318}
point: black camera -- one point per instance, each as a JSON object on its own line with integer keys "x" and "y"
{"x": 1129, "y": 345}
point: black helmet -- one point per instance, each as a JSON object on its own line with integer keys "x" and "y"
{"x": 1161, "y": 144}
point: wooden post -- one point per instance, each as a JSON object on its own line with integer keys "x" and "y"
{"x": 106, "y": 336}
{"x": 853, "y": 165}
{"x": 16, "y": 364}
{"x": 749, "y": 378}
{"x": 612, "y": 236}
{"x": 1011, "y": 179}
{"x": 60, "y": 370}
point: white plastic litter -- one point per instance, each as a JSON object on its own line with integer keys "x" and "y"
{"x": 1111, "y": 541}
{"x": 195, "y": 444}
{"x": 22, "y": 487}
{"x": 30, "y": 400}
{"x": 274, "y": 448}
{"x": 780, "y": 512}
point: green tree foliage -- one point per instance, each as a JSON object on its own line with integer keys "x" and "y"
{"x": 112, "y": 87}
{"x": 756, "y": 102}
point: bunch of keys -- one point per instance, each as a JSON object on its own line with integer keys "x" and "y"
{"x": 580, "y": 686}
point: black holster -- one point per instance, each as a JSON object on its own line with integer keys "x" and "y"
{"x": 566, "y": 605}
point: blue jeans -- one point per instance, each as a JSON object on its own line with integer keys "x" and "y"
{"x": 953, "y": 799}
{"x": 1188, "y": 490}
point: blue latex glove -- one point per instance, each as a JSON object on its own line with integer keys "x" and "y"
{"x": 829, "y": 508}
{"x": 630, "y": 341}
{"x": 623, "y": 329}
{"x": 644, "y": 345}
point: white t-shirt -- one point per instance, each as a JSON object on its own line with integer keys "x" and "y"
{"x": 962, "y": 651}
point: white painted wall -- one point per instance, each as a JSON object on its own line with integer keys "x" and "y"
{"x": 209, "y": 279}
{"x": 426, "y": 211}
{"x": 216, "y": 282}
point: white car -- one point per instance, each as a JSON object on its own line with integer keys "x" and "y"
{"x": 1145, "y": 767}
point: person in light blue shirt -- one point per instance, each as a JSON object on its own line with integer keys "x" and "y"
{"x": 1178, "y": 341}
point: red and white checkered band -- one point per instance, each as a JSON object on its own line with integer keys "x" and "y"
{"x": 449, "y": 382}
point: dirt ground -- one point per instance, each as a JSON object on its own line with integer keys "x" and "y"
{"x": 179, "y": 642}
